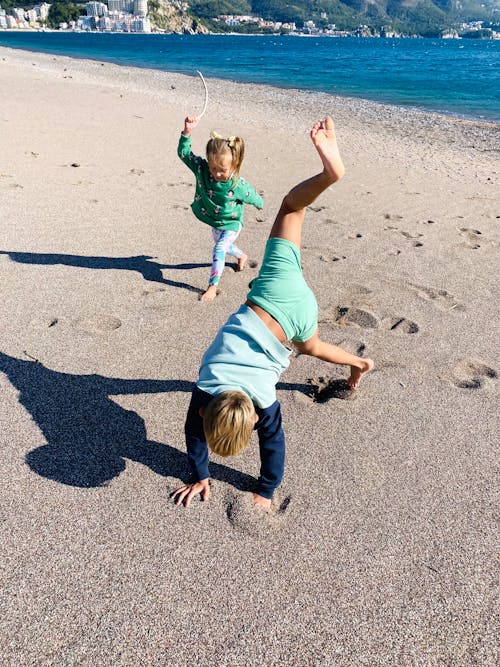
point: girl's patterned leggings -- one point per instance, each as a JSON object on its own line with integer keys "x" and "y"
{"x": 224, "y": 244}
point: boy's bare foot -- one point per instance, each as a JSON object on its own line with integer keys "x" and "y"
{"x": 210, "y": 294}
{"x": 260, "y": 501}
{"x": 325, "y": 141}
{"x": 242, "y": 262}
{"x": 357, "y": 373}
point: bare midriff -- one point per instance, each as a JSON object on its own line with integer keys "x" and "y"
{"x": 273, "y": 325}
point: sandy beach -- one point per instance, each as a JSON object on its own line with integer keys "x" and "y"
{"x": 381, "y": 545}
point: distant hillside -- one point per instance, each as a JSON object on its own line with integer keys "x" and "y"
{"x": 419, "y": 16}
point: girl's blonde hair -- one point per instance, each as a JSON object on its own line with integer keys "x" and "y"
{"x": 228, "y": 422}
{"x": 217, "y": 146}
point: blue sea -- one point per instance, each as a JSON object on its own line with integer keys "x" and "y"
{"x": 457, "y": 77}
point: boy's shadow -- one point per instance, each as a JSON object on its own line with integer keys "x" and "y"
{"x": 88, "y": 435}
{"x": 149, "y": 270}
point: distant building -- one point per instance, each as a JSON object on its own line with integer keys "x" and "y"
{"x": 96, "y": 9}
{"x": 42, "y": 10}
{"x": 141, "y": 8}
{"x": 121, "y": 5}
{"x": 141, "y": 24}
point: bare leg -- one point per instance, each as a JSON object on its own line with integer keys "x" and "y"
{"x": 315, "y": 347}
{"x": 288, "y": 223}
{"x": 242, "y": 262}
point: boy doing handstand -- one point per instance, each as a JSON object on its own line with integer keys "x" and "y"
{"x": 236, "y": 388}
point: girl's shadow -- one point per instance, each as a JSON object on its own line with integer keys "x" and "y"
{"x": 148, "y": 269}
{"x": 88, "y": 435}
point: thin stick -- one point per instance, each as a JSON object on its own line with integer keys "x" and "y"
{"x": 206, "y": 95}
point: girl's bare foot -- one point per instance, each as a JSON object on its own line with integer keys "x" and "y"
{"x": 325, "y": 141}
{"x": 357, "y": 373}
{"x": 210, "y": 294}
{"x": 242, "y": 262}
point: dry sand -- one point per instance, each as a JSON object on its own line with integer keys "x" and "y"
{"x": 380, "y": 547}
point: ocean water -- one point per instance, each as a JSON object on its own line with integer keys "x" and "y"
{"x": 457, "y": 77}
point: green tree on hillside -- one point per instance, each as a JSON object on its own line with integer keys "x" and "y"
{"x": 62, "y": 11}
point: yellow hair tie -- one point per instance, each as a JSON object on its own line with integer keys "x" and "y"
{"x": 230, "y": 140}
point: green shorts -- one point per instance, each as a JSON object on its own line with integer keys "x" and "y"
{"x": 280, "y": 289}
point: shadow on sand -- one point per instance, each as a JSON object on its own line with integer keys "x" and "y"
{"x": 89, "y": 436}
{"x": 149, "y": 270}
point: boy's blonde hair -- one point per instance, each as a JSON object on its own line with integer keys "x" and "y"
{"x": 228, "y": 422}
{"x": 217, "y": 146}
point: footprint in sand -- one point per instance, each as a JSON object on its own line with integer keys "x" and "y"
{"x": 407, "y": 235}
{"x": 152, "y": 290}
{"x": 137, "y": 172}
{"x": 393, "y": 216}
{"x": 316, "y": 209}
{"x": 332, "y": 258}
{"x": 255, "y": 521}
{"x": 469, "y": 374}
{"x": 357, "y": 347}
{"x": 438, "y": 297}
{"x": 174, "y": 185}
{"x": 400, "y": 325}
{"x": 344, "y": 316}
{"x": 44, "y": 322}
{"x": 472, "y": 236}
{"x": 324, "y": 389}
{"x": 97, "y": 323}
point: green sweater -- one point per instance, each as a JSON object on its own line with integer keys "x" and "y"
{"x": 218, "y": 203}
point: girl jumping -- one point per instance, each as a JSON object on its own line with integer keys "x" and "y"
{"x": 219, "y": 196}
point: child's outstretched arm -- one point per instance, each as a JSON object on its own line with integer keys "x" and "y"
{"x": 248, "y": 195}
{"x": 315, "y": 347}
{"x": 197, "y": 451}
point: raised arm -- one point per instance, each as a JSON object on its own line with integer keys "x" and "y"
{"x": 184, "y": 146}
{"x": 248, "y": 195}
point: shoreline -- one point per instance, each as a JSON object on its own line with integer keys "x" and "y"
{"x": 473, "y": 134}
{"x": 411, "y": 108}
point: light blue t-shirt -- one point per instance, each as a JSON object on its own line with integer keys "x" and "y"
{"x": 244, "y": 356}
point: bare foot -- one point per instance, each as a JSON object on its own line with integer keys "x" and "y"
{"x": 260, "y": 501}
{"x": 357, "y": 373}
{"x": 242, "y": 262}
{"x": 210, "y": 294}
{"x": 325, "y": 141}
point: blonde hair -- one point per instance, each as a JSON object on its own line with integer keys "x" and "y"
{"x": 228, "y": 422}
{"x": 218, "y": 146}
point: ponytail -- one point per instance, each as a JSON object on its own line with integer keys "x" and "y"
{"x": 217, "y": 145}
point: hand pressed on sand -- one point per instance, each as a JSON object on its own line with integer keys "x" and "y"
{"x": 186, "y": 493}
